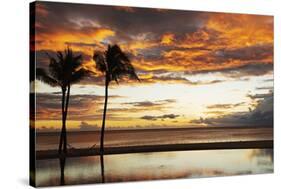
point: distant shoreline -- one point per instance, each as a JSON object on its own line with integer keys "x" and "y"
{"x": 52, "y": 154}
{"x": 155, "y": 129}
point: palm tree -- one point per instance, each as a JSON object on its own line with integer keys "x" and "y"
{"x": 64, "y": 70}
{"x": 115, "y": 64}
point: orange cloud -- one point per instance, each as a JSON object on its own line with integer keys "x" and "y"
{"x": 242, "y": 29}
{"x": 226, "y": 41}
{"x": 167, "y": 38}
{"x": 223, "y": 42}
{"x": 59, "y": 40}
{"x": 134, "y": 46}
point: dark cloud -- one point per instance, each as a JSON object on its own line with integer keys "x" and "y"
{"x": 84, "y": 126}
{"x": 81, "y": 107}
{"x": 253, "y": 69}
{"x": 224, "y": 106}
{"x": 144, "y": 19}
{"x": 260, "y": 96}
{"x": 121, "y": 113}
{"x": 175, "y": 78}
{"x": 250, "y": 69}
{"x": 257, "y": 52}
{"x": 144, "y": 103}
{"x": 162, "y": 117}
{"x": 253, "y": 61}
{"x": 155, "y": 78}
{"x": 80, "y": 44}
{"x": 183, "y": 80}
{"x": 43, "y": 61}
{"x": 156, "y": 52}
{"x": 141, "y": 106}
{"x": 262, "y": 115}
{"x": 151, "y": 104}
{"x": 53, "y": 101}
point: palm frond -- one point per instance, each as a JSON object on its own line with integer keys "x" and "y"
{"x": 55, "y": 69}
{"x": 60, "y": 56}
{"x": 62, "y": 68}
{"x": 79, "y": 75}
{"x": 119, "y": 64}
{"x": 77, "y": 61}
{"x": 100, "y": 61}
{"x": 41, "y": 75}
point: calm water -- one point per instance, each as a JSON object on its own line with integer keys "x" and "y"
{"x": 151, "y": 137}
{"x": 158, "y": 165}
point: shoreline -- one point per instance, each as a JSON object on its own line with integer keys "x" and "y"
{"x": 38, "y": 132}
{"x": 53, "y": 154}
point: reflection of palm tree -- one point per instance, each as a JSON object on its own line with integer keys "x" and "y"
{"x": 64, "y": 71}
{"x": 115, "y": 64}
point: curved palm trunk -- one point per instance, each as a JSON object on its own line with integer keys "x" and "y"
{"x": 65, "y": 118}
{"x": 104, "y": 118}
{"x": 62, "y": 119}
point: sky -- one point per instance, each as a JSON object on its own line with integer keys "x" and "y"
{"x": 196, "y": 69}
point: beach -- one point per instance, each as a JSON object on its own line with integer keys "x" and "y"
{"x": 144, "y": 137}
{"x": 86, "y": 143}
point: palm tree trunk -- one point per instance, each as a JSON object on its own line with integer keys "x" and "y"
{"x": 62, "y": 119}
{"x": 102, "y": 168}
{"x": 104, "y": 117}
{"x": 62, "y": 166}
{"x": 65, "y": 118}
{"x": 102, "y": 131}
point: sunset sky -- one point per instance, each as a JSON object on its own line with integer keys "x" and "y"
{"x": 196, "y": 68}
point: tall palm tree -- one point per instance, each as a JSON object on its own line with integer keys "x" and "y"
{"x": 115, "y": 64}
{"x": 64, "y": 70}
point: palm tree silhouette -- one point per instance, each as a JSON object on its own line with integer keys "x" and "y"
{"x": 115, "y": 64}
{"x": 64, "y": 70}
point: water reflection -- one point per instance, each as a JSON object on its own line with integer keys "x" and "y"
{"x": 62, "y": 161}
{"x": 149, "y": 166}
